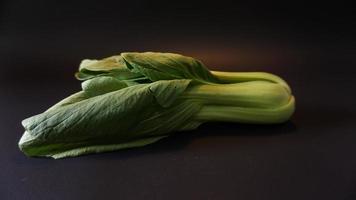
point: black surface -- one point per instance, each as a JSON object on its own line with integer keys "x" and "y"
{"x": 312, "y": 46}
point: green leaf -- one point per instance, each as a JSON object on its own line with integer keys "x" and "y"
{"x": 102, "y": 85}
{"x": 124, "y": 116}
{"x": 104, "y": 148}
{"x": 147, "y": 66}
{"x": 113, "y": 66}
{"x": 91, "y": 88}
{"x": 167, "y": 66}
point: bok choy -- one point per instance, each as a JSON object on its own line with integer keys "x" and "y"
{"x": 135, "y": 99}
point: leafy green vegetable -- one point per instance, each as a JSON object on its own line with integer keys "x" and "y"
{"x": 135, "y": 99}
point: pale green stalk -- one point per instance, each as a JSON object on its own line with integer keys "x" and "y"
{"x": 259, "y": 102}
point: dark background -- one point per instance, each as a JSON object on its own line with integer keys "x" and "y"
{"x": 311, "y": 45}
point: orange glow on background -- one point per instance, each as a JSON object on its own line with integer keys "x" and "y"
{"x": 225, "y": 55}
